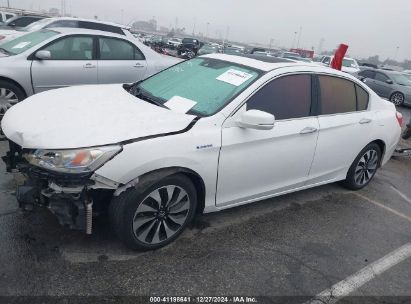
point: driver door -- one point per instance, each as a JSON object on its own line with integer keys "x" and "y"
{"x": 72, "y": 62}
{"x": 260, "y": 163}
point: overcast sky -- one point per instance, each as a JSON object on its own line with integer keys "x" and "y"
{"x": 369, "y": 27}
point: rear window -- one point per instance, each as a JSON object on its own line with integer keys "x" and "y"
{"x": 362, "y": 98}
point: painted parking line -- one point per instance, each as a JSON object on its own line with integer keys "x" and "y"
{"x": 383, "y": 206}
{"x": 355, "y": 281}
{"x": 406, "y": 198}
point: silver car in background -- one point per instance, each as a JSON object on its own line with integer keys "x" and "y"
{"x": 61, "y": 57}
{"x": 391, "y": 85}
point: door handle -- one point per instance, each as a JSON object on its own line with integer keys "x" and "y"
{"x": 308, "y": 130}
{"x": 138, "y": 65}
{"x": 365, "y": 121}
{"x": 89, "y": 66}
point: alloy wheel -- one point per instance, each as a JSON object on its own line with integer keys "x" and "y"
{"x": 161, "y": 214}
{"x": 397, "y": 99}
{"x": 366, "y": 167}
{"x": 7, "y": 99}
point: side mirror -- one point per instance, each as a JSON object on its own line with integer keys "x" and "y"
{"x": 43, "y": 55}
{"x": 389, "y": 81}
{"x": 256, "y": 119}
{"x": 12, "y": 24}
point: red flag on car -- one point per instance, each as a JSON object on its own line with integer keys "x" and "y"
{"x": 337, "y": 61}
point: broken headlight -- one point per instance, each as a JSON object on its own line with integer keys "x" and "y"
{"x": 72, "y": 161}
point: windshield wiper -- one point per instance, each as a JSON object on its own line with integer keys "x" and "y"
{"x": 4, "y": 51}
{"x": 140, "y": 93}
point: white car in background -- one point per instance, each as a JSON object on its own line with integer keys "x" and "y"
{"x": 69, "y": 22}
{"x": 61, "y": 57}
{"x": 349, "y": 65}
{"x": 153, "y": 150}
{"x": 175, "y": 42}
{"x": 4, "y": 16}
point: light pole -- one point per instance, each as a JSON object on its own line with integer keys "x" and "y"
{"x": 396, "y": 53}
{"x": 299, "y": 37}
{"x": 8, "y": 3}
{"x": 208, "y": 23}
{"x": 295, "y": 36}
{"x": 271, "y": 43}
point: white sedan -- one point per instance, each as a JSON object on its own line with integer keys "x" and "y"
{"x": 211, "y": 133}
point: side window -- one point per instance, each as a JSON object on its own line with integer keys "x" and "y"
{"x": 337, "y": 95}
{"x": 116, "y": 49}
{"x": 381, "y": 77}
{"x": 63, "y": 23}
{"x": 327, "y": 60}
{"x": 367, "y": 74}
{"x": 1, "y": 18}
{"x": 24, "y": 21}
{"x": 72, "y": 48}
{"x": 362, "y": 98}
{"x": 8, "y": 16}
{"x": 286, "y": 97}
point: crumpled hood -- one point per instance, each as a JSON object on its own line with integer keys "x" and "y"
{"x": 85, "y": 116}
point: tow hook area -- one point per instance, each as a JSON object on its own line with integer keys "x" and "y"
{"x": 72, "y": 205}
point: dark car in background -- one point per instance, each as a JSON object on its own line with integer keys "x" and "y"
{"x": 189, "y": 44}
{"x": 392, "y": 85}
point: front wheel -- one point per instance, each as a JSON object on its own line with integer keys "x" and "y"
{"x": 363, "y": 168}
{"x": 152, "y": 218}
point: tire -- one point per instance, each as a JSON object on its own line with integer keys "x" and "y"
{"x": 363, "y": 168}
{"x": 10, "y": 94}
{"x": 142, "y": 224}
{"x": 397, "y": 98}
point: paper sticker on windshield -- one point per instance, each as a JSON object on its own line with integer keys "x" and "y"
{"x": 234, "y": 77}
{"x": 21, "y": 45}
{"x": 180, "y": 104}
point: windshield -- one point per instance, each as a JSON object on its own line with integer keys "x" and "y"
{"x": 25, "y": 42}
{"x": 350, "y": 63}
{"x": 35, "y": 26}
{"x": 401, "y": 79}
{"x": 200, "y": 86}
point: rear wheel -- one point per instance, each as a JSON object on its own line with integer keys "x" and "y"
{"x": 363, "y": 168}
{"x": 397, "y": 98}
{"x": 147, "y": 219}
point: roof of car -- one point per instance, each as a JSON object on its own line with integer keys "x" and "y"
{"x": 265, "y": 63}
{"x": 69, "y": 30}
{"x": 89, "y": 20}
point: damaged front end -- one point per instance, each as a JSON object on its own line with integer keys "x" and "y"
{"x": 62, "y": 181}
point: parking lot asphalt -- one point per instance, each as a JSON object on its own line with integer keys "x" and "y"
{"x": 294, "y": 245}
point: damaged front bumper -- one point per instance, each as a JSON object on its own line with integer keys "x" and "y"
{"x": 69, "y": 196}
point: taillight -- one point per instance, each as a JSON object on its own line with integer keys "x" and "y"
{"x": 400, "y": 119}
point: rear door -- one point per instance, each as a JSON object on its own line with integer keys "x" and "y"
{"x": 345, "y": 127}
{"x": 120, "y": 61}
{"x": 72, "y": 62}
